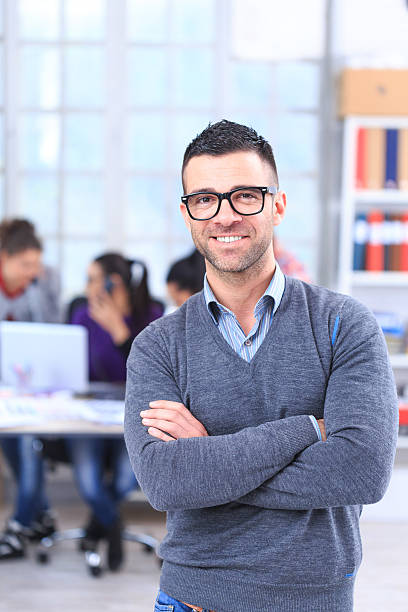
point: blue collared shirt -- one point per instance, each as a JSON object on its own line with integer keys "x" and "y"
{"x": 228, "y": 325}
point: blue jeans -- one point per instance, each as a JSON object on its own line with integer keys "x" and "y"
{"x": 90, "y": 458}
{"x": 165, "y": 603}
{"x": 27, "y": 466}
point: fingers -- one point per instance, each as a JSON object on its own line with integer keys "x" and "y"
{"x": 172, "y": 418}
{"x": 175, "y": 407}
{"x": 156, "y": 433}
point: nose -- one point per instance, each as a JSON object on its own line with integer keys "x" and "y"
{"x": 226, "y": 214}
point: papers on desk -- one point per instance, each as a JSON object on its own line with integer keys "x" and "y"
{"x": 21, "y": 410}
{"x": 107, "y": 412}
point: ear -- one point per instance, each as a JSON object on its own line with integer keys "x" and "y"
{"x": 186, "y": 217}
{"x": 279, "y": 207}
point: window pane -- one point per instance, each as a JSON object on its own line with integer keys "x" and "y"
{"x": 251, "y": 84}
{"x": 146, "y": 141}
{"x": 85, "y": 20}
{"x": 185, "y": 127}
{"x": 39, "y": 19}
{"x": 193, "y": 21}
{"x": 146, "y": 206}
{"x": 84, "y": 206}
{"x": 1, "y": 74}
{"x": 51, "y": 253}
{"x": 296, "y": 142}
{"x": 296, "y": 85}
{"x": 39, "y": 77}
{"x": 85, "y": 77}
{"x": 39, "y": 202}
{"x": 77, "y": 255}
{"x": 178, "y": 229}
{"x": 301, "y": 217}
{"x": 147, "y": 77}
{"x": 39, "y": 141}
{"x": 1, "y": 140}
{"x": 2, "y": 211}
{"x": 147, "y": 21}
{"x": 194, "y": 73}
{"x": 155, "y": 254}
{"x": 84, "y": 142}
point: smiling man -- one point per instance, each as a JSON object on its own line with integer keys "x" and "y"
{"x": 260, "y": 415}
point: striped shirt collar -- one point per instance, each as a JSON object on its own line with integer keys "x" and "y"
{"x": 274, "y": 292}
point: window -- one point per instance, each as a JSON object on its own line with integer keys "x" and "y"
{"x": 101, "y": 99}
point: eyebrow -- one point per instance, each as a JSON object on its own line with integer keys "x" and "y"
{"x": 213, "y": 190}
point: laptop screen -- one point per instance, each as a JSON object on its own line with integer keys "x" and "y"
{"x": 43, "y": 356}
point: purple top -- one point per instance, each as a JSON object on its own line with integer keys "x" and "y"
{"x": 107, "y": 361}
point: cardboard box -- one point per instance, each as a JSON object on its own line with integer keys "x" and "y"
{"x": 373, "y": 92}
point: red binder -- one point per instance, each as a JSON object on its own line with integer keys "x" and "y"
{"x": 375, "y": 244}
{"x": 361, "y": 182}
{"x": 404, "y": 244}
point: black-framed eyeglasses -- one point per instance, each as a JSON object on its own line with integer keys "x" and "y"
{"x": 204, "y": 205}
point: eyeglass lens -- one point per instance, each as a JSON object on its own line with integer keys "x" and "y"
{"x": 245, "y": 201}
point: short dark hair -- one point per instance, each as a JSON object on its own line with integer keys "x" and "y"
{"x": 188, "y": 273}
{"x": 229, "y": 137}
{"x": 18, "y": 235}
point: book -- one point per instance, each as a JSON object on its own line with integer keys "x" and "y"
{"x": 403, "y": 159}
{"x": 375, "y": 243}
{"x": 360, "y": 241}
{"x": 374, "y": 158}
{"x": 404, "y": 243}
{"x": 391, "y": 158}
{"x": 360, "y": 181}
{"x": 395, "y": 244}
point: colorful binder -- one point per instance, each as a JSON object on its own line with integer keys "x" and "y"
{"x": 360, "y": 163}
{"x": 360, "y": 240}
{"x": 375, "y": 244}
{"x": 404, "y": 244}
{"x": 374, "y": 158}
{"x": 391, "y": 159}
{"x": 403, "y": 159}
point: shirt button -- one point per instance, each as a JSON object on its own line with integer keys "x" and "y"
{"x": 248, "y": 342}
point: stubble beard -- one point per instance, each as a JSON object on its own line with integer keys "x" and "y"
{"x": 251, "y": 261}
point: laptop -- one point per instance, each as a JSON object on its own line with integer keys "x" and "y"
{"x": 43, "y": 356}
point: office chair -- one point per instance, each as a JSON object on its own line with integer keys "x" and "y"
{"x": 54, "y": 452}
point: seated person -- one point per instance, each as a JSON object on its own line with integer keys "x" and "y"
{"x": 185, "y": 277}
{"x": 118, "y": 307}
{"x": 28, "y": 292}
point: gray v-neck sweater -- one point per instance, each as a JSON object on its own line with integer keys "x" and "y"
{"x": 261, "y": 516}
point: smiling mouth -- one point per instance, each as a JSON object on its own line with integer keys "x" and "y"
{"x": 228, "y": 238}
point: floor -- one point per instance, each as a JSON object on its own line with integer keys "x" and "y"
{"x": 25, "y": 586}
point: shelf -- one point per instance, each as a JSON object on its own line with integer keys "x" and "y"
{"x": 379, "y": 279}
{"x": 381, "y": 197}
{"x": 399, "y": 361}
{"x": 402, "y": 442}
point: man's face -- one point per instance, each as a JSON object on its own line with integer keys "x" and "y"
{"x": 222, "y": 174}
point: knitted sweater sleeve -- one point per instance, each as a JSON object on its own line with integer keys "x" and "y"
{"x": 206, "y": 471}
{"x": 354, "y": 465}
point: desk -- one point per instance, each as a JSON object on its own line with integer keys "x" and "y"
{"x": 61, "y": 416}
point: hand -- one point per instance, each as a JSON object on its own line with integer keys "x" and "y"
{"x": 172, "y": 418}
{"x": 104, "y": 311}
{"x": 322, "y": 427}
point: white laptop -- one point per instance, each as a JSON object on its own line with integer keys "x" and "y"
{"x": 43, "y": 356}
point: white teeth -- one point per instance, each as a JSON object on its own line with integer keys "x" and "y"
{"x": 228, "y": 238}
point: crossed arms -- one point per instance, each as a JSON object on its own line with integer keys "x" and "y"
{"x": 279, "y": 464}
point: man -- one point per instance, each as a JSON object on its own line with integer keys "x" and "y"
{"x": 225, "y": 405}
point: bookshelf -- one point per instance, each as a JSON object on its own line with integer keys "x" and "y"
{"x": 382, "y": 291}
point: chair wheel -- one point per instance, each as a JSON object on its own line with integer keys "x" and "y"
{"x": 42, "y": 557}
{"x": 95, "y": 570}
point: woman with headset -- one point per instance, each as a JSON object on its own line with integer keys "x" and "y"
{"x": 29, "y": 291}
{"x": 118, "y": 307}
